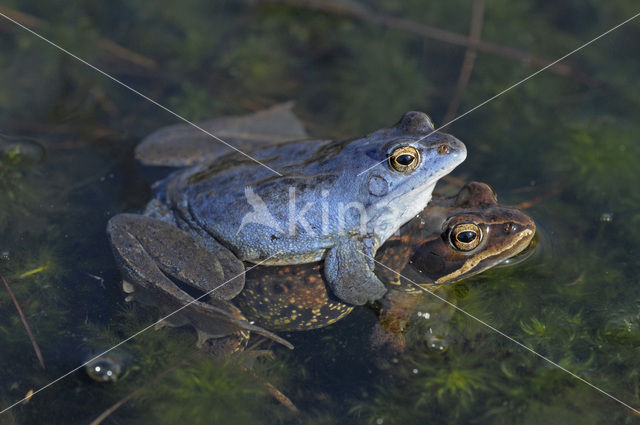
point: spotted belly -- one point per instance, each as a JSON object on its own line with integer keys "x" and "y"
{"x": 287, "y": 298}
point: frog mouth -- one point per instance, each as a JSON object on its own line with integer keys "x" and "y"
{"x": 520, "y": 256}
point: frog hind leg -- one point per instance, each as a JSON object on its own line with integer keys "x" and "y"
{"x": 207, "y": 317}
{"x": 154, "y": 252}
{"x": 348, "y": 269}
{"x": 149, "y": 250}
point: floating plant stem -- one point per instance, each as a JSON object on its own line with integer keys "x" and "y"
{"x": 33, "y": 271}
{"x": 24, "y": 322}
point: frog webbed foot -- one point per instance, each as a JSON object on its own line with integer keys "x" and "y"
{"x": 348, "y": 269}
{"x": 156, "y": 255}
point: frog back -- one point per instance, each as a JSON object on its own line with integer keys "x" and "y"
{"x": 256, "y": 212}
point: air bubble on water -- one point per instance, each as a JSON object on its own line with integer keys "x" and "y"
{"x": 415, "y": 371}
{"x": 424, "y": 315}
{"x": 379, "y": 421}
{"x": 606, "y": 217}
{"x": 103, "y": 369}
{"x": 436, "y": 342}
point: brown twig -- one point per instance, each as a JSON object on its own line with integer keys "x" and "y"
{"x": 23, "y": 18}
{"x": 477, "y": 18}
{"x": 24, "y": 322}
{"x": 359, "y": 12}
{"x": 282, "y": 399}
{"x": 126, "y": 54}
{"x": 105, "y": 44}
{"x": 540, "y": 198}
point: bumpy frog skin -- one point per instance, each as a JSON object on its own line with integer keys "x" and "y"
{"x": 336, "y": 200}
{"x": 287, "y": 298}
{"x": 296, "y": 297}
{"x": 496, "y": 233}
{"x": 476, "y": 233}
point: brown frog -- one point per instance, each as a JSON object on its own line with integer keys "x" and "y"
{"x": 453, "y": 238}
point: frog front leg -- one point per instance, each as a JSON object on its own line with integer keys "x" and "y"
{"x": 348, "y": 269}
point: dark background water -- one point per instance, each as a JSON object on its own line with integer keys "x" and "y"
{"x": 563, "y": 144}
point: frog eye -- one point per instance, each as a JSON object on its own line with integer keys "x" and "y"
{"x": 465, "y": 236}
{"x": 404, "y": 158}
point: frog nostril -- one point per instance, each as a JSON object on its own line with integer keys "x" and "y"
{"x": 509, "y": 228}
{"x": 443, "y": 149}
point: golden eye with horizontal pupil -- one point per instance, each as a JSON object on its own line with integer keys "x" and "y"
{"x": 404, "y": 158}
{"x": 465, "y": 236}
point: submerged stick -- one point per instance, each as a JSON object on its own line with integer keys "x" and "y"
{"x": 477, "y": 18}
{"x": 24, "y": 322}
{"x": 359, "y": 12}
{"x": 105, "y": 44}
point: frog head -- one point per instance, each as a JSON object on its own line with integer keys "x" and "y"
{"x": 399, "y": 169}
{"x": 477, "y": 234}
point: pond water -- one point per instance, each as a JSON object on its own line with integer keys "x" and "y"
{"x": 563, "y": 145}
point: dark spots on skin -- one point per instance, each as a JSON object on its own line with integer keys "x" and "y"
{"x": 373, "y": 154}
{"x": 329, "y": 150}
{"x": 289, "y": 298}
{"x": 229, "y": 161}
{"x": 323, "y": 154}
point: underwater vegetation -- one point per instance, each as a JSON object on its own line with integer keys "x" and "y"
{"x": 564, "y": 145}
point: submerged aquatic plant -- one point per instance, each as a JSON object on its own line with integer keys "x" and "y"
{"x": 578, "y": 306}
{"x": 208, "y": 391}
